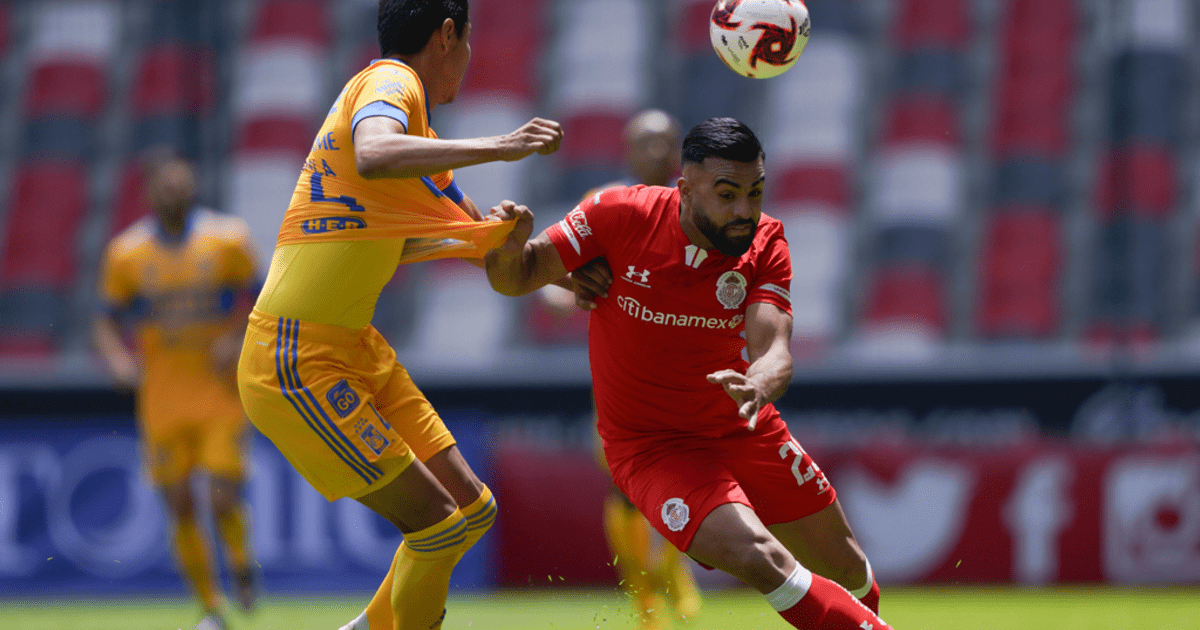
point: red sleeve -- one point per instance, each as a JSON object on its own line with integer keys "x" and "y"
{"x": 586, "y": 232}
{"x": 773, "y": 273}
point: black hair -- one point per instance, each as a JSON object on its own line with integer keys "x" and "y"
{"x": 725, "y": 138}
{"x": 404, "y": 26}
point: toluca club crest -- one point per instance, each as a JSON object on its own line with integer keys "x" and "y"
{"x": 675, "y": 514}
{"x": 731, "y": 289}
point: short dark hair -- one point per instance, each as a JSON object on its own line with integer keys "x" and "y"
{"x": 726, "y": 138}
{"x": 404, "y": 26}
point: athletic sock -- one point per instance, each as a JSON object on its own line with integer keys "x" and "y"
{"x": 810, "y": 601}
{"x": 480, "y": 516}
{"x": 868, "y": 593}
{"x": 680, "y": 585}
{"x": 191, "y": 550}
{"x": 423, "y": 566}
{"x": 232, "y": 529}
{"x": 629, "y": 539}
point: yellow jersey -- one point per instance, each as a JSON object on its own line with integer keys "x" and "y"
{"x": 180, "y": 295}
{"x": 344, "y": 235}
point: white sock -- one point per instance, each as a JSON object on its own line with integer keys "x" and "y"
{"x": 359, "y": 623}
{"x": 859, "y": 593}
{"x": 792, "y": 590}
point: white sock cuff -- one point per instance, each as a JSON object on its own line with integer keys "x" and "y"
{"x": 861, "y": 592}
{"x": 792, "y": 590}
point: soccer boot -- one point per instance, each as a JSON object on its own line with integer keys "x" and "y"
{"x": 246, "y": 589}
{"x": 212, "y": 621}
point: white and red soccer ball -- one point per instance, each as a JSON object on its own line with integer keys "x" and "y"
{"x": 759, "y": 38}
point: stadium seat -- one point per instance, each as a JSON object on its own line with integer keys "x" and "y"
{"x": 278, "y": 134}
{"x": 48, "y": 202}
{"x": 819, "y": 241}
{"x": 1129, "y": 274}
{"x": 594, "y": 138}
{"x": 929, "y": 71}
{"x": 710, "y": 89}
{"x": 180, "y": 132}
{"x": 907, "y": 298}
{"x": 503, "y": 64}
{"x": 76, "y": 88}
{"x": 1021, "y": 252}
{"x": 1030, "y": 180}
{"x": 944, "y": 24}
{"x": 291, "y": 20}
{"x": 921, "y": 119}
{"x": 917, "y": 185}
{"x": 807, "y": 182}
{"x": 130, "y": 203}
{"x": 5, "y": 27}
{"x": 1029, "y": 131}
{"x": 258, "y": 189}
{"x": 185, "y": 21}
{"x": 58, "y": 138}
{"x": 1140, "y": 178}
{"x": 171, "y": 79}
{"x": 920, "y": 245}
{"x": 1147, "y": 95}
{"x": 838, "y": 16}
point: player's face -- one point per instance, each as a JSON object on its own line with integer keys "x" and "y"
{"x": 724, "y": 201}
{"x": 456, "y": 63}
{"x": 171, "y": 191}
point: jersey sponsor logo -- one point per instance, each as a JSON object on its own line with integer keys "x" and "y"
{"x": 575, "y": 225}
{"x": 731, "y": 289}
{"x": 778, "y": 290}
{"x": 640, "y": 278}
{"x": 675, "y": 514}
{"x": 634, "y": 309}
{"x": 342, "y": 398}
{"x": 331, "y": 224}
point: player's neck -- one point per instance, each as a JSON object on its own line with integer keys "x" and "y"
{"x": 693, "y": 233}
{"x": 428, "y": 69}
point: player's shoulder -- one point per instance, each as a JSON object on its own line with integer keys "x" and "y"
{"x": 138, "y": 235}
{"x": 208, "y": 223}
{"x": 769, "y": 227}
{"x": 638, "y": 198}
{"x": 389, "y": 77}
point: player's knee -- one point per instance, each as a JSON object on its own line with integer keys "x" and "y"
{"x": 180, "y": 502}
{"x": 759, "y": 561}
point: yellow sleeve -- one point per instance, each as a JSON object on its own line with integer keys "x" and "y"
{"x": 392, "y": 92}
{"x": 117, "y": 286}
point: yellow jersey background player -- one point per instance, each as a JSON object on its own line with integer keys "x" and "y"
{"x": 651, "y": 570}
{"x": 316, "y": 378}
{"x": 184, "y": 278}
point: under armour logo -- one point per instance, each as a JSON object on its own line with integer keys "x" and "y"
{"x": 642, "y": 277}
{"x": 866, "y": 626}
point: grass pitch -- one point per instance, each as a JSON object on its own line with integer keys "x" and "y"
{"x": 947, "y": 608}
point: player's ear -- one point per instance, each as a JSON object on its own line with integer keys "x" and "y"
{"x": 449, "y": 35}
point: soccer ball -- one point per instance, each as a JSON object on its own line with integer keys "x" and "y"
{"x": 759, "y": 38}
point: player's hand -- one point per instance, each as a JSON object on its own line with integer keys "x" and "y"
{"x": 509, "y": 211}
{"x": 744, "y": 391}
{"x": 591, "y": 281}
{"x": 540, "y": 135}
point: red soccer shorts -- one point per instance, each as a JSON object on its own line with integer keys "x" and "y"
{"x": 676, "y": 484}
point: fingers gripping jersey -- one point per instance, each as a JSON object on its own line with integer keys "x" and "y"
{"x": 673, "y": 315}
{"x": 332, "y": 202}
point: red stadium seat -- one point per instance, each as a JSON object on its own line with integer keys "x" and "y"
{"x": 692, "y": 34}
{"x": 515, "y": 18}
{"x": 66, "y": 87}
{"x": 593, "y": 138}
{"x": 25, "y": 345}
{"x": 1021, "y": 253}
{"x": 1139, "y": 178}
{"x": 824, "y": 183}
{"x": 172, "y": 79}
{"x": 48, "y": 203}
{"x": 130, "y": 203}
{"x": 5, "y": 26}
{"x": 906, "y": 296}
{"x": 277, "y": 134}
{"x": 1029, "y": 131}
{"x": 503, "y": 63}
{"x": 302, "y": 20}
{"x": 921, "y": 119}
{"x": 932, "y": 24}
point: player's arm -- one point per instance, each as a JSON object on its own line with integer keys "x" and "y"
{"x": 121, "y": 363}
{"x": 768, "y": 339}
{"x": 383, "y": 148}
{"x": 520, "y": 265}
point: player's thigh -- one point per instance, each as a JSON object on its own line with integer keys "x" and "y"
{"x": 224, "y": 444}
{"x": 170, "y": 451}
{"x": 781, "y": 480}
{"x": 824, "y": 543}
{"x": 452, "y": 471}
{"x": 413, "y": 501}
{"x": 733, "y": 539}
{"x": 676, "y": 487}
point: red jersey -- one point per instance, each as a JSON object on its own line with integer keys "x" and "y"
{"x": 673, "y": 315}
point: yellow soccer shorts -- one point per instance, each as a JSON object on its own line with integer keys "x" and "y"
{"x": 336, "y": 403}
{"x": 175, "y": 447}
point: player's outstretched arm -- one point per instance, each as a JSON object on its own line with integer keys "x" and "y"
{"x": 768, "y": 345}
{"x": 383, "y": 149}
{"x": 520, "y": 265}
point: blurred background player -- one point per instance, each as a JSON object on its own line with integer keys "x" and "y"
{"x": 650, "y": 569}
{"x": 183, "y": 280}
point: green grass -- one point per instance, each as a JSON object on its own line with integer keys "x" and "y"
{"x": 950, "y": 608}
